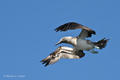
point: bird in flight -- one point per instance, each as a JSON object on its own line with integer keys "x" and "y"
{"x": 79, "y": 44}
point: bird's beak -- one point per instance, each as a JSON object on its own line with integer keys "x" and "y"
{"x": 58, "y": 43}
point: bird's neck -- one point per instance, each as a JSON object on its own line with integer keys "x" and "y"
{"x": 73, "y": 41}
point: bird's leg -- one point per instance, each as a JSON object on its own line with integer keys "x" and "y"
{"x": 94, "y": 46}
{"x": 94, "y": 52}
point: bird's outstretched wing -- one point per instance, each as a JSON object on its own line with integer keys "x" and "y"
{"x": 62, "y": 52}
{"x": 86, "y": 32}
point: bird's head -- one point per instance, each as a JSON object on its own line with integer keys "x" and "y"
{"x": 64, "y": 40}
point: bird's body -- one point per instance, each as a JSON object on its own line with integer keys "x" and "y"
{"x": 83, "y": 44}
{"x": 79, "y": 44}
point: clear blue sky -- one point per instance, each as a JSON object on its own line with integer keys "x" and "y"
{"x": 27, "y": 36}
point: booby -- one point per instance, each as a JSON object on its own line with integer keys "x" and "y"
{"x": 79, "y": 44}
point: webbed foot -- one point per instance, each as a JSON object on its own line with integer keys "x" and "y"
{"x": 94, "y": 52}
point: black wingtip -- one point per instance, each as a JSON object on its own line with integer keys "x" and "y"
{"x": 94, "y": 32}
{"x": 56, "y": 30}
{"x": 46, "y": 62}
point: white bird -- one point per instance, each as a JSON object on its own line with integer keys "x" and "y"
{"x": 79, "y": 44}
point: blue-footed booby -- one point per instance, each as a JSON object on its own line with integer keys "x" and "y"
{"x": 79, "y": 44}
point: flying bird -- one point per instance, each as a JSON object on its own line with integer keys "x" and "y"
{"x": 79, "y": 44}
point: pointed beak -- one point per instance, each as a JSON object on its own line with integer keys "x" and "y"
{"x": 58, "y": 43}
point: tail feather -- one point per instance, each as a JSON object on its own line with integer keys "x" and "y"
{"x": 102, "y": 43}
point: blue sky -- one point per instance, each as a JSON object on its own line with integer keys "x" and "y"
{"x": 27, "y": 36}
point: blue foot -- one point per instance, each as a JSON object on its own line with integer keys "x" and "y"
{"x": 94, "y": 52}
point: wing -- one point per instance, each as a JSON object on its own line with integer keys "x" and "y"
{"x": 84, "y": 34}
{"x": 73, "y": 25}
{"x": 62, "y": 52}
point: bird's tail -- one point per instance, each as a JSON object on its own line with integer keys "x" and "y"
{"x": 101, "y": 43}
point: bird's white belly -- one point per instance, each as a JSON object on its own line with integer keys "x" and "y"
{"x": 83, "y": 45}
